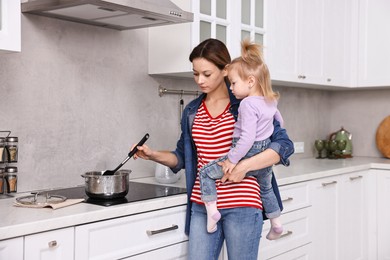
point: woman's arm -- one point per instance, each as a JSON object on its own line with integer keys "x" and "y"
{"x": 262, "y": 160}
{"x": 166, "y": 158}
{"x": 281, "y": 148}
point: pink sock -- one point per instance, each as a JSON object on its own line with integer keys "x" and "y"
{"x": 213, "y": 216}
{"x": 276, "y": 229}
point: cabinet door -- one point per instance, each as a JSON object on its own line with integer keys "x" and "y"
{"x": 374, "y": 42}
{"x": 338, "y": 39}
{"x": 383, "y": 195}
{"x": 294, "y": 40}
{"x": 9, "y": 26}
{"x": 51, "y": 245}
{"x": 12, "y": 249}
{"x": 324, "y": 195}
{"x": 281, "y": 39}
{"x": 352, "y": 217}
{"x": 252, "y": 23}
{"x": 170, "y": 46}
{"x": 308, "y": 41}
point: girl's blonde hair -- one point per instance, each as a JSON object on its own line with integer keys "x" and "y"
{"x": 251, "y": 63}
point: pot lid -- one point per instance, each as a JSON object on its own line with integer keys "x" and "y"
{"x": 40, "y": 199}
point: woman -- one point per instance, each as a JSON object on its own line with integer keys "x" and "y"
{"x": 207, "y": 127}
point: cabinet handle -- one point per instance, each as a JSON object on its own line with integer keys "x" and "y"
{"x": 355, "y": 177}
{"x": 301, "y": 76}
{"x": 288, "y": 199}
{"x": 288, "y": 233}
{"x": 154, "y": 232}
{"x": 52, "y": 244}
{"x": 328, "y": 183}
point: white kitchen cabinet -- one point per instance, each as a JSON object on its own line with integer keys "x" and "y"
{"x": 383, "y": 213}
{"x": 374, "y": 42}
{"x": 226, "y": 20}
{"x": 56, "y": 244}
{"x": 146, "y": 233}
{"x": 308, "y": 41}
{"x": 324, "y": 195}
{"x": 296, "y": 217}
{"x": 340, "y": 216}
{"x": 10, "y": 27}
{"x": 12, "y": 248}
{"x": 176, "y": 252}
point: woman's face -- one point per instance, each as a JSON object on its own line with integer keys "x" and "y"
{"x": 208, "y": 76}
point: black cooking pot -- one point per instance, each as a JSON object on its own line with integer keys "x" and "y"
{"x": 98, "y": 186}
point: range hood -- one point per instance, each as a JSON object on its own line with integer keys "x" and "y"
{"x": 114, "y": 14}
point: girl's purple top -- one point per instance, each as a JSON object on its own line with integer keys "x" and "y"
{"x": 254, "y": 123}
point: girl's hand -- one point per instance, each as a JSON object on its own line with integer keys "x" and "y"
{"x": 236, "y": 174}
{"x": 144, "y": 152}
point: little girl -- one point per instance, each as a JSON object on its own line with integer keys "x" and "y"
{"x": 250, "y": 81}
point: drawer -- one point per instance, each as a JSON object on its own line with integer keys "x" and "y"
{"x": 294, "y": 196}
{"x": 128, "y": 236}
{"x": 300, "y": 253}
{"x": 176, "y": 252}
{"x": 296, "y": 234}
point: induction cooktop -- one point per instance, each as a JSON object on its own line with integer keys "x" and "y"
{"x": 137, "y": 192}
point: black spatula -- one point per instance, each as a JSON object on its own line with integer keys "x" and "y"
{"x": 131, "y": 153}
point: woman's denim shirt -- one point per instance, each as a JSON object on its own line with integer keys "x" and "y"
{"x": 186, "y": 151}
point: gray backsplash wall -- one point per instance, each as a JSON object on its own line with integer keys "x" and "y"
{"x": 79, "y": 96}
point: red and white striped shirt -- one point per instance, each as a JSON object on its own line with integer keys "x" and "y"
{"x": 213, "y": 139}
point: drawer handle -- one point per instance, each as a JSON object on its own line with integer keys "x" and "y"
{"x": 355, "y": 178}
{"x": 154, "y": 232}
{"x": 52, "y": 244}
{"x": 288, "y": 233}
{"x": 288, "y": 199}
{"x": 328, "y": 183}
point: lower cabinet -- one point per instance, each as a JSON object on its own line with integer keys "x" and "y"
{"x": 12, "y": 248}
{"x": 56, "y": 244}
{"x": 296, "y": 237}
{"x": 140, "y": 236}
{"x": 340, "y": 213}
{"x": 383, "y": 213}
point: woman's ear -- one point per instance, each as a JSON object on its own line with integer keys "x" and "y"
{"x": 225, "y": 71}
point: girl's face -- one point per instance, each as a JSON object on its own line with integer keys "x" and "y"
{"x": 239, "y": 87}
{"x": 208, "y": 76}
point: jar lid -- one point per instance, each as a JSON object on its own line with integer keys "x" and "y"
{"x": 11, "y": 169}
{"x": 12, "y": 139}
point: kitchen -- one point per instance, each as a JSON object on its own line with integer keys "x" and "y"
{"x": 78, "y": 96}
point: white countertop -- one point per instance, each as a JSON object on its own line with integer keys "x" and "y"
{"x": 16, "y": 221}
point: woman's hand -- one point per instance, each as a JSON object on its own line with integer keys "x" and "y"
{"x": 235, "y": 174}
{"x": 144, "y": 152}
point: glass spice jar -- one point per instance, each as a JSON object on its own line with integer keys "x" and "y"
{"x": 2, "y": 149}
{"x": 11, "y": 178}
{"x": 2, "y": 170}
{"x": 12, "y": 149}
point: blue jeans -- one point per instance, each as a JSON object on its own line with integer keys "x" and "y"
{"x": 212, "y": 171}
{"x": 240, "y": 227}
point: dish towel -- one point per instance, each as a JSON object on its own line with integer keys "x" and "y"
{"x": 66, "y": 203}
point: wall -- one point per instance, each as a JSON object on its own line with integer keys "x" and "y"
{"x": 79, "y": 96}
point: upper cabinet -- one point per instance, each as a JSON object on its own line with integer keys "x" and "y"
{"x": 374, "y": 42}
{"x": 308, "y": 42}
{"x": 226, "y": 20}
{"x": 10, "y": 26}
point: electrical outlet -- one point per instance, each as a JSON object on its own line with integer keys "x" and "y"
{"x": 299, "y": 147}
